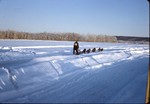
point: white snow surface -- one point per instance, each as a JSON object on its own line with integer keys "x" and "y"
{"x": 47, "y": 72}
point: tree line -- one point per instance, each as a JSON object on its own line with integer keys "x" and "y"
{"x": 10, "y": 34}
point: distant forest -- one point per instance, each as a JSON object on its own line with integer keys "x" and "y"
{"x": 9, "y": 34}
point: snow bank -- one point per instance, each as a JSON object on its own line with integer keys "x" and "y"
{"x": 30, "y": 73}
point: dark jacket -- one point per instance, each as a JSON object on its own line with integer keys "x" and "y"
{"x": 76, "y": 45}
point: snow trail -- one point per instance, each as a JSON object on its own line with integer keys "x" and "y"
{"x": 33, "y": 73}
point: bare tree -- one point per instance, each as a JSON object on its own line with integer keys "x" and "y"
{"x": 9, "y": 34}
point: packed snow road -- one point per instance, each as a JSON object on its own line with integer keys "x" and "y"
{"x": 46, "y": 71}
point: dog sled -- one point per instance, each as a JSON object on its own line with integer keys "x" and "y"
{"x": 87, "y": 51}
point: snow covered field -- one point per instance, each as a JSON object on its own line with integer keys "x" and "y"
{"x": 46, "y": 71}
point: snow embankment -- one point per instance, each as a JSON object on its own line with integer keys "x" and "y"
{"x": 31, "y": 73}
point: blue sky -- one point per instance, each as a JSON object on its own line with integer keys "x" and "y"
{"x": 107, "y": 17}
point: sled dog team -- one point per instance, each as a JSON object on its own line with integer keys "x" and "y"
{"x": 77, "y": 51}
